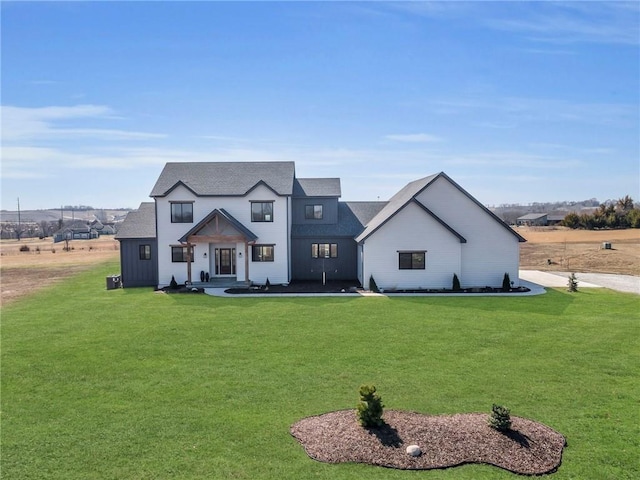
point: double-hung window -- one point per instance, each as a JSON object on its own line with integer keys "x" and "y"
{"x": 180, "y": 254}
{"x": 324, "y": 250}
{"x": 145, "y": 252}
{"x": 262, "y": 253}
{"x": 313, "y": 212}
{"x": 262, "y": 211}
{"x": 181, "y": 212}
{"x": 412, "y": 260}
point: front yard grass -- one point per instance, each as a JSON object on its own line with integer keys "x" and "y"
{"x": 100, "y": 384}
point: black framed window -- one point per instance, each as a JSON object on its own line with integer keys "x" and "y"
{"x": 313, "y": 212}
{"x": 324, "y": 250}
{"x": 262, "y": 211}
{"x": 145, "y": 252}
{"x": 182, "y": 212}
{"x": 179, "y": 254}
{"x": 262, "y": 253}
{"x": 412, "y": 260}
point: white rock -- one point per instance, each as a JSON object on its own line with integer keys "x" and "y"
{"x": 414, "y": 450}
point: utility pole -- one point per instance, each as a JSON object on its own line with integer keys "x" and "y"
{"x": 19, "y": 227}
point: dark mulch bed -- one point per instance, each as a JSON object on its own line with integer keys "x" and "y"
{"x": 302, "y": 287}
{"x": 530, "y": 448}
{"x": 352, "y": 286}
{"x": 182, "y": 289}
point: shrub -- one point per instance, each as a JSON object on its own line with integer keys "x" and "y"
{"x": 456, "y": 283}
{"x": 267, "y": 284}
{"x": 370, "y": 407}
{"x": 24, "y": 248}
{"x": 572, "y": 285}
{"x": 173, "y": 284}
{"x": 500, "y": 418}
{"x": 506, "y": 283}
{"x": 373, "y": 286}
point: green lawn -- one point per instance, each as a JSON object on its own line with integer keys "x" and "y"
{"x": 129, "y": 384}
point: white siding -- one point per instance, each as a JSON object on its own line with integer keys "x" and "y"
{"x": 411, "y": 229}
{"x": 491, "y": 250}
{"x": 271, "y": 233}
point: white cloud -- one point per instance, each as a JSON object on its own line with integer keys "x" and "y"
{"x": 33, "y": 124}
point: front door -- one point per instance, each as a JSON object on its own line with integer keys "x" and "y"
{"x": 226, "y": 261}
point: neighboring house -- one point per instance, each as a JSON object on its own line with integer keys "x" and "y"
{"x": 77, "y": 230}
{"x": 555, "y": 219}
{"x": 139, "y": 248}
{"x": 532, "y": 219}
{"x": 254, "y": 221}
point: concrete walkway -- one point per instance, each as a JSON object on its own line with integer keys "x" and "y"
{"x": 534, "y": 280}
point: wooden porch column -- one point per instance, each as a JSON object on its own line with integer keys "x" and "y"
{"x": 189, "y": 262}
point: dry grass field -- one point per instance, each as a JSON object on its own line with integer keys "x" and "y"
{"x": 562, "y": 249}
{"x": 47, "y": 263}
{"x": 547, "y": 248}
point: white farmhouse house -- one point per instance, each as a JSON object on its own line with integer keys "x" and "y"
{"x": 253, "y": 221}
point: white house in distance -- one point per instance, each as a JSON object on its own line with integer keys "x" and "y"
{"x": 253, "y": 221}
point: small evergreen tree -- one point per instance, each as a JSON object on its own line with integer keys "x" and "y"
{"x": 267, "y": 284}
{"x": 173, "y": 284}
{"x": 506, "y": 283}
{"x": 572, "y": 285}
{"x": 500, "y": 418}
{"x": 370, "y": 407}
{"x": 373, "y": 286}
{"x": 456, "y": 283}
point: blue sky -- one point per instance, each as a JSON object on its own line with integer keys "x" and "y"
{"x": 517, "y": 101}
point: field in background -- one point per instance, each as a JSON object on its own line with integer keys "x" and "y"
{"x": 568, "y": 250}
{"x": 47, "y": 263}
{"x": 562, "y": 249}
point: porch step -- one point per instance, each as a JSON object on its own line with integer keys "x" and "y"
{"x": 221, "y": 283}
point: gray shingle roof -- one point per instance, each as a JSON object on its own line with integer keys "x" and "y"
{"x": 317, "y": 187}
{"x": 139, "y": 223}
{"x": 398, "y": 201}
{"x": 225, "y": 178}
{"x": 532, "y": 216}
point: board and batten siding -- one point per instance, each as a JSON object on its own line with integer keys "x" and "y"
{"x": 274, "y": 233}
{"x": 411, "y": 229}
{"x": 307, "y": 268}
{"x": 136, "y": 272}
{"x": 491, "y": 249}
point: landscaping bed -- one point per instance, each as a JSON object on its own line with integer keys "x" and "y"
{"x": 529, "y": 448}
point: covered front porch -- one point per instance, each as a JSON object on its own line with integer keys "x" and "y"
{"x": 221, "y": 253}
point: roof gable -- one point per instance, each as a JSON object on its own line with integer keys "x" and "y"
{"x": 409, "y": 193}
{"x": 225, "y": 178}
{"x": 227, "y": 219}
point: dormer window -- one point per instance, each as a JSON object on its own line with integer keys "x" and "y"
{"x": 313, "y": 212}
{"x": 181, "y": 212}
{"x": 262, "y": 211}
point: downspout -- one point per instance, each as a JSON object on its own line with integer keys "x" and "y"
{"x": 288, "y": 242}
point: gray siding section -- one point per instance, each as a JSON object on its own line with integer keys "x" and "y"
{"x": 136, "y": 272}
{"x": 329, "y": 210}
{"x": 307, "y": 268}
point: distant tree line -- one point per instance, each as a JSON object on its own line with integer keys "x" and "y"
{"x": 620, "y": 214}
